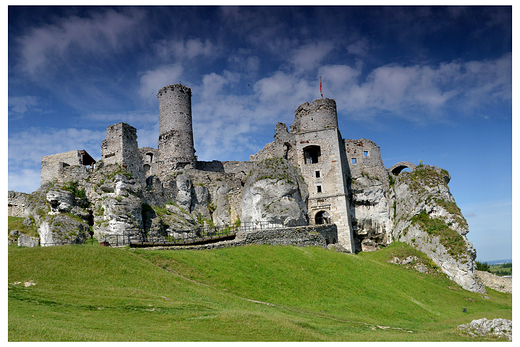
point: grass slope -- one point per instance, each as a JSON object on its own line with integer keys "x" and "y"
{"x": 253, "y": 293}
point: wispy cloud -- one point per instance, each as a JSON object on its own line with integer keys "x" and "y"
{"x": 31, "y": 145}
{"x": 49, "y": 46}
{"x": 309, "y": 56}
{"x": 186, "y": 49}
{"x": 153, "y": 80}
{"x": 21, "y": 104}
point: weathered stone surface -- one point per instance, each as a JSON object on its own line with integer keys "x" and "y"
{"x": 184, "y": 187}
{"x": 497, "y": 327}
{"x": 60, "y": 201}
{"x": 27, "y": 241}
{"x": 370, "y": 214}
{"x": 274, "y": 193}
{"x": 62, "y": 229}
{"x": 500, "y": 284}
{"x": 428, "y": 219}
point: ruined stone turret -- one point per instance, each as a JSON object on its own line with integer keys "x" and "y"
{"x": 176, "y": 148}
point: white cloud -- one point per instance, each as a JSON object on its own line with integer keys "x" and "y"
{"x": 21, "y": 104}
{"x": 25, "y": 180}
{"x": 103, "y": 32}
{"x": 309, "y": 56}
{"x": 153, "y": 80}
{"x": 359, "y": 48}
{"x": 31, "y": 145}
{"x": 132, "y": 118}
{"x": 186, "y": 49}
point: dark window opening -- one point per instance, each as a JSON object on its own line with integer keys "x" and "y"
{"x": 287, "y": 151}
{"x": 149, "y": 157}
{"x": 317, "y": 174}
{"x": 319, "y": 189}
{"x": 311, "y": 154}
{"x": 322, "y": 217}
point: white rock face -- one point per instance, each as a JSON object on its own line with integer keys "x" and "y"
{"x": 60, "y": 201}
{"x": 498, "y": 327}
{"x": 274, "y": 193}
{"x": 370, "y": 213}
{"x": 184, "y": 187}
{"x": 425, "y": 193}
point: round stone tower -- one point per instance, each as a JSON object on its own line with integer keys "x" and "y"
{"x": 321, "y": 114}
{"x": 175, "y": 129}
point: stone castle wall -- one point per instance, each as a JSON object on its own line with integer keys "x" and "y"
{"x": 16, "y": 203}
{"x": 321, "y": 114}
{"x": 52, "y": 164}
{"x": 120, "y": 147}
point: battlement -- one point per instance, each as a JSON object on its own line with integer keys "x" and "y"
{"x": 176, "y": 88}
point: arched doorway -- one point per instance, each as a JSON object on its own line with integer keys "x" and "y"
{"x": 322, "y": 217}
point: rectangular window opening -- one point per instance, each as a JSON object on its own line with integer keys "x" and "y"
{"x": 319, "y": 189}
{"x": 317, "y": 174}
{"x": 354, "y": 161}
{"x": 365, "y": 153}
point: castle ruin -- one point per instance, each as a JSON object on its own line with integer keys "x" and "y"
{"x": 313, "y": 144}
{"x": 310, "y": 186}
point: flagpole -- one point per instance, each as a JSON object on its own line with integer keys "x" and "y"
{"x": 321, "y": 92}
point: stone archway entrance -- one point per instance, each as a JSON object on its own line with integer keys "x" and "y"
{"x": 397, "y": 168}
{"x": 322, "y": 217}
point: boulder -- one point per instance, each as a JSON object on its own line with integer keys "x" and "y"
{"x": 27, "y": 241}
{"x": 62, "y": 229}
{"x": 497, "y": 327}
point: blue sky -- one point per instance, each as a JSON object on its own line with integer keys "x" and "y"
{"x": 424, "y": 83}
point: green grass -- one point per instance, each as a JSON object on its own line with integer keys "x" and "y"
{"x": 252, "y": 293}
{"x": 16, "y": 223}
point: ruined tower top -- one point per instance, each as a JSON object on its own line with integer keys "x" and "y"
{"x": 321, "y": 114}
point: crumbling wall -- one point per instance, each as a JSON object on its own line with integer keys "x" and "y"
{"x": 120, "y": 147}
{"x": 319, "y": 115}
{"x": 52, "y": 164}
{"x": 16, "y": 203}
{"x": 368, "y": 185}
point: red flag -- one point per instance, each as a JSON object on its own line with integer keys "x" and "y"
{"x": 321, "y": 92}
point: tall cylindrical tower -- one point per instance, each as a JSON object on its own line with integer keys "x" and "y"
{"x": 176, "y": 148}
{"x": 319, "y": 115}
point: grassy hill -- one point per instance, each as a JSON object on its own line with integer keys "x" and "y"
{"x": 254, "y": 293}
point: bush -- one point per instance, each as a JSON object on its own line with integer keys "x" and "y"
{"x": 482, "y": 266}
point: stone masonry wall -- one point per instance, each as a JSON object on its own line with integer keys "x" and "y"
{"x": 120, "y": 147}
{"x": 16, "y": 202}
{"x": 321, "y": 114}
{"x": 175, "y": 128}
{"x": 52, "y": 164}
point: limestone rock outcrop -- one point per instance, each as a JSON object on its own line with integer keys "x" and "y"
{"x": 497, "y": 327}
{"x": 427, "y": 218}
{"x": 274, "y": 192}
{"x": 371, "y": 220}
